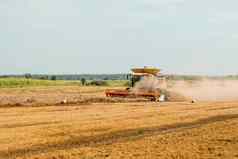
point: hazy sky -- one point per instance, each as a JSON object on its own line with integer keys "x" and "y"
{"x": 111, "y": 36}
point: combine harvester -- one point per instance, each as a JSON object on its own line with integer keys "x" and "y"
{"x": 152, "y": 92}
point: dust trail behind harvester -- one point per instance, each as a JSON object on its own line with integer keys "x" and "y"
{"x": 207, "y": 90}
{"x": 153, "y": 84}
{"x": 200, "y": 90}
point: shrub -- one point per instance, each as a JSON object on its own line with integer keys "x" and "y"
{"x": 98, "y": 83}
{"x": 83, "y": 81}
{"x": 28, "y": 76}
{"x": 53, "y": 78}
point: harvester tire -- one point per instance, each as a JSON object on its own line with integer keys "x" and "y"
{"x": 153, "y": 99}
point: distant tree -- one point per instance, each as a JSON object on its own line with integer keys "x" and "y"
{"x": 83, "y": 81}
{"x": 43, "y": 77}
{"x": 98, "y": 83}
{"x": 28, "y": 75}
{"x": 105, "y": 78}
{"x": 53, "y": 78}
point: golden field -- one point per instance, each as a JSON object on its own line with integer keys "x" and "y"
{"x": 35, "y": 124}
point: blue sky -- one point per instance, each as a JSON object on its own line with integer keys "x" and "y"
{"x": 111, "y": 36}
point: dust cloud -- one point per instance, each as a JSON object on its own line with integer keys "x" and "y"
{"x": 199, "y": 90}
{"x": 149, "y": 83}
{"x": 207, "y": 90}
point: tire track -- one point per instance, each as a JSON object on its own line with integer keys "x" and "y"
{"x": 113, "y": 137}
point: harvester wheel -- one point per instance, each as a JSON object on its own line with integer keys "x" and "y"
{"x": 153, "y": 99}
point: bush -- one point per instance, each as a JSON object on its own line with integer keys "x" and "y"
{"x": 53, "y": 78}
{"x": 83, "y": 81}
{"x": 98, "y": 83}
{"x": 28, "y": 76}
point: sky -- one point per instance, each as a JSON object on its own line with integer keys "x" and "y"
{"x": 112, "y": 36}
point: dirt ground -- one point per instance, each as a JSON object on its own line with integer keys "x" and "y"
{"x": 34, "y": 125}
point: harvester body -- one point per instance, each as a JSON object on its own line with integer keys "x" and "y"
{"x": 138, "y": 74}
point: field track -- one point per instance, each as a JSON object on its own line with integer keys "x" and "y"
{"x": 120, "y": 130}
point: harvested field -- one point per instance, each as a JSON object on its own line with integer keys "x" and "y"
{"x": 47, "y": 96}
{"x": 112, "y": 129}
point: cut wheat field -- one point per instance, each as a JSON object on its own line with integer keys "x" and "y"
{"x": 34, "y": 124}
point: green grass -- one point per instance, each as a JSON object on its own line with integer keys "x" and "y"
{"x": 117, "y": 83}
{"x": 22, "y": 82}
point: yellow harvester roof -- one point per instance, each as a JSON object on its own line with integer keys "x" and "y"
{"x": 149, "y": 70}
